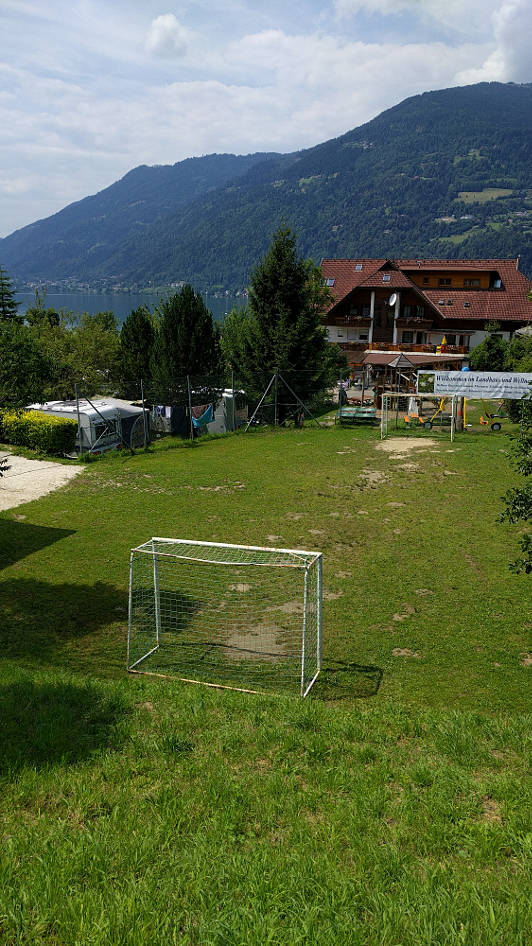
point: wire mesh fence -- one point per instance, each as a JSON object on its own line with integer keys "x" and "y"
{"x": 243, "y": 617}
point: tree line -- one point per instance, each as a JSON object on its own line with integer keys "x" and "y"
{"x": 47, "y": 354}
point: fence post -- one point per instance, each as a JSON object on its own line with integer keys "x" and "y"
{"x": 79, "y": 421}
{"x": 275, "y": 398}
{"x": 190, "y": 409}
{"x": 143, "y": 414}
{"x": 233, "y": 397}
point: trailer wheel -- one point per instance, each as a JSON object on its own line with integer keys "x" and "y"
{"x": 427, "y": 424}
{"x": 496, "y": 426}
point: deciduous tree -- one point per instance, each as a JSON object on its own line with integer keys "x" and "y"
{"x": 24, "y": 368}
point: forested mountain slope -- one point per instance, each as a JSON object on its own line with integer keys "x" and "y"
{"x": 79, "y": 240}
{"x": 443, "y": 174}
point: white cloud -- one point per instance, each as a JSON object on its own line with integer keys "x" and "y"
{"x": 167, "y": 37}
{"x": 509, "y": 59}
{"x": 98, "y": 88}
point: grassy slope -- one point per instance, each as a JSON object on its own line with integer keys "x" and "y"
{"x": 390, "y": 808}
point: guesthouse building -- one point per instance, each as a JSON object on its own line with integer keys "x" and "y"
{"x": 422, "y": 305}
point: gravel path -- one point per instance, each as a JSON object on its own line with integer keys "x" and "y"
{"x": 30, "y": 479}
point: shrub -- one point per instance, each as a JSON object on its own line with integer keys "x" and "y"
{"x": 54, "y": 435}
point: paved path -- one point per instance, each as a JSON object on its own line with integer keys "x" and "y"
{"x": 30, "y": 479}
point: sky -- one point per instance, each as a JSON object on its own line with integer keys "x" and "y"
{"x": 90, "y": 89}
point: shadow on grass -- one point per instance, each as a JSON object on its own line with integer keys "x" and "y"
{"x": 52, "y": 723}
{"x": 37, "y": 618}
{"x": 19, "y": 539}
{"x": 347, "y": 681}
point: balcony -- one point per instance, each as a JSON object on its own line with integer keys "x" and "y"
{"x": 403, "y": 346}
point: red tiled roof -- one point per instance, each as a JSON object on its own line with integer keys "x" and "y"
{"x": 397, "y": 281}
{"x": 345, "y": 276}
{"x": 484, "y": 305}
{"x": 508, "y": 303}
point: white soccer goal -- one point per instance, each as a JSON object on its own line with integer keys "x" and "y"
{"x": 408, "y": 413}
{"x": 234, "y": 616}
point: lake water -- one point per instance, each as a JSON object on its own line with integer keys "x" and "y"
{"x": 121, "y": 303}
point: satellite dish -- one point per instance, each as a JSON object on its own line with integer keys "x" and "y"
{"x": 393, "y": 299}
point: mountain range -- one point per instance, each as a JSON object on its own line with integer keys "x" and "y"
{"x": 444, "y": 174}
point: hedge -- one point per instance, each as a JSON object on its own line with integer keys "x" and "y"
{"x": 55, "y": 435}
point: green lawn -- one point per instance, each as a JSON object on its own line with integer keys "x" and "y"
{"x": 391, "y": 807}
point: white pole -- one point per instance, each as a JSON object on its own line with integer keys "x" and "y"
{"x": 303, "y": 643}
{"x": 130, "y": 609}
{"x": 372, "y": 317}
{"x": 157, "y": 594}
{"x": 319, "y": 592}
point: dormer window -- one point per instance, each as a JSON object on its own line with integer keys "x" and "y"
{"x": 358, "y": 267}
{"x": 329, "y": 282}
{"x": 386, "y": 277}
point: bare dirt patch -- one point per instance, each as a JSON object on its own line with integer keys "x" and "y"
{"x": 240, "y": 586}
{"x": 424, "y": 592}
{"x": 398, "y": 448}
{"x": 31, "y": 479}
{"x": 526, "y": 660}
{"x": 408, "y": 609}
{"x": 405, "y": 652}
{"x": 263, "y": 643}
{"x": 491, "y": 810}
{"x": 372, "y": 478}
{"x": 290, "y": 607}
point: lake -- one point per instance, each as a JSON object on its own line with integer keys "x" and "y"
{"x": 121, "y": 303}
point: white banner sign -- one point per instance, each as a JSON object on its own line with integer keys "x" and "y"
{"x": 475, "y": 384}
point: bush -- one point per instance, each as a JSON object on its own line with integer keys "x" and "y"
{"x": 54, "y": 435}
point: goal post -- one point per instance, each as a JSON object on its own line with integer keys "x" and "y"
{"x": 238, "y": 616}
{"x": 408, "y": 412}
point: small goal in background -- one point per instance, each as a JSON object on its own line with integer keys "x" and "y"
{"x": 236, "y": 616}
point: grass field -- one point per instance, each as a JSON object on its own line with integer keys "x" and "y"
{"x": 391, "y": 807}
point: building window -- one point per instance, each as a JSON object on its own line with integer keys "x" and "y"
{"x": 386, "y": 277}
{"x": 421, "y": 338}
{"x": 451, "y": 339}
{"x": 365, "y": 311}
{"x": 420, "y": 311}
{"x": 472, "y": 282}
{"x": 329, "y": 282}
{"x": 425, "y": 280}
{"x": 363, "y": 336}
{"x": 339, "y": 332}
{"x": 408, "y": 338}
{"x": 407, "y": 311}
{"x": 358, "y": 267}
{"x": 444, "y": 281}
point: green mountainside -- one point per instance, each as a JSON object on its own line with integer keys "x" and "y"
{"x": 443, "y": 174}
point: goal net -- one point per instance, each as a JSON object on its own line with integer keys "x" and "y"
{"x": 226, "y": 615}
{"x": 415, "y": 413}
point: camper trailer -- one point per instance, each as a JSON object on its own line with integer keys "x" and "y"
{"x": 103, "y": 423}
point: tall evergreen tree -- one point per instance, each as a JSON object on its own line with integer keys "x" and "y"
{"x": 282, "y": 327}
{"x": 186, "y": 340}
{"x": 136, "y": 347}
{"x": 8, "y": 303}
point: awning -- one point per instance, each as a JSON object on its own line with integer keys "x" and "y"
{"x": 413, "y": 359}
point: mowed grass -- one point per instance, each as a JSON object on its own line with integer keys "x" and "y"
{"x": 393, "y": 806}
